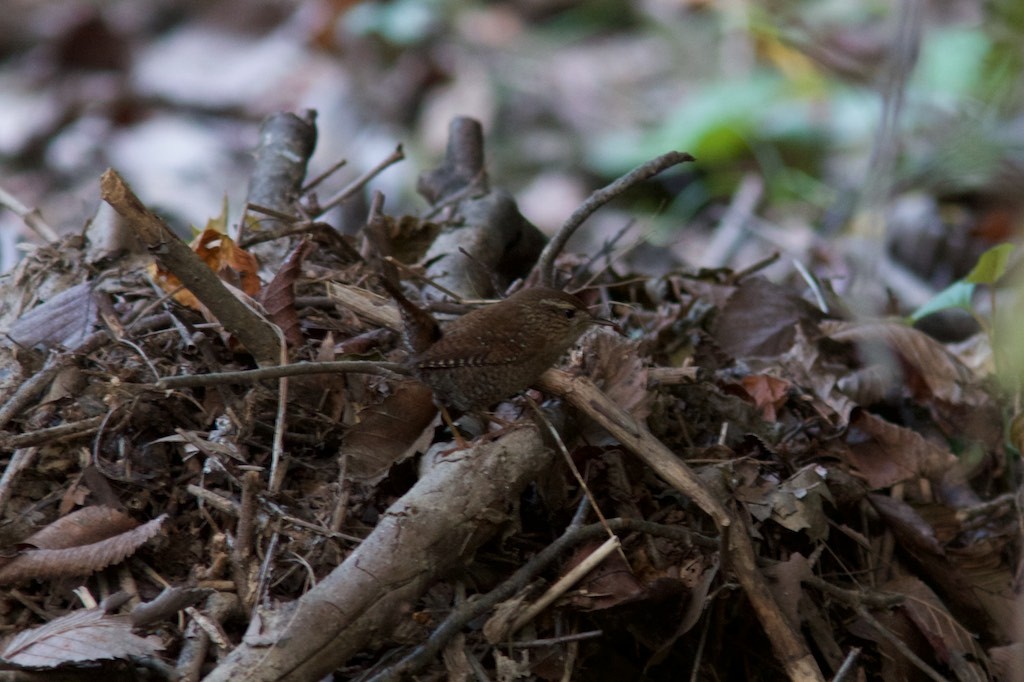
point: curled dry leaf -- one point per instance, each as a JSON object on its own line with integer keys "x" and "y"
{"x": 78, "y": 544}
{"x": 79, "y": 637}
{"x": 769, "y": 393}
{"x": 885, "y": 454}
{"x": 927, "y": 369}
{"x": 65, "y": 320}
{"x": 389, "y": 432}
{"x": 278, "y": 297}
{"x": 233, "y": 264}
{"x": 953, "y": 644}
{"x": 761, "y": 319}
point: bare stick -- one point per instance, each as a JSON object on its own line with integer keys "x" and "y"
{"x": 359, "y": 182}
{"x": 255, "y": 333}
{"x": 323, "y": 176}
{"x": 567, "y": 581}
{"x": 21, "y": 460}
{"x": 387, "y": 369}
{"x": 546, "y": 263}
{"x": 30, "y": 216}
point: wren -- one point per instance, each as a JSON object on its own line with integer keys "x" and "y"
{"x": 494, "y": 352}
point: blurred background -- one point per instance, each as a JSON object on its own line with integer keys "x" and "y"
{"x": 815, "y": 124}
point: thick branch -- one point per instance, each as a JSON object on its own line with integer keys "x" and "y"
{"x": 461, "y": 502}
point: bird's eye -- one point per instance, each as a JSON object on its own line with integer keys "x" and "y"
{"x": 570, "y": 313}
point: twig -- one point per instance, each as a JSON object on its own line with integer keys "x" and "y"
{"x": 81, "y": 427}
{"x": 855, "y": 597}
{"x": 546, "y": 263}
{"x": 358, "y": 183}
{"x": 563, "y": 584}
{"x": 573, "y": 468}
{"x": 254, "y": 332}
{"x": 230, "y": 507}
{"x": 900, "y": 645}
{"x": 553, "y": 641}
{"x": 241, "y": 553}
{"x": 335, "y": 167}
{"x": 21, "y": 459}
{"x": 386, "y": 369}
{"x": 30, "y": 216}
{"x": 28, "y": 390}
{"x": 847, "y": 667}
{"x": 277, "y": 471}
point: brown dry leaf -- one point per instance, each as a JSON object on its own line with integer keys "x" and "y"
{"x": 389, "y": 432}
{"x": 786, "y": 583}
{"x": 617, "y": 368}
{"x": 233, "y": 264}
{"x": 795, "y": 504}
{"x": 761, "y": 319}
{"x": 927, "y": 369}
{"x": 769, "y": 393}
{"x": 64, "y": 320}
{"x": 913, "y": 532}
{"x": 885, "y": 454}
{"x": 278, "y": 297}
{"x": 1006, "y": 661}
{"x": 82, "y": 527}
{"x": 610, "y": 583}
{"x": 982, "y": 563}
{"x": 615, "y": 365}
{"x": 95, "y": 538}
{"x": 952, "y": 643}
{"x": 86, "y": 635}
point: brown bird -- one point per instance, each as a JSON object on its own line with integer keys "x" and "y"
{"x": 494, "y": 352}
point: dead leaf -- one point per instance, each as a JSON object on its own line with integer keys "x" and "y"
{"x": 64, "y": 320}
{"x": 761, "y": 319}
{"x": 885, "y": 454}
{"x": 951, "y": 642}
{"x": 769, "y": 393}
{"x": 233, "y": 264}
{"x": 278, "y": 297}
{"x": 79, "y": 637}
{"x": 389, "y": 432}
{"x": 922, "y": 365}
{"x": 78, "y": 544}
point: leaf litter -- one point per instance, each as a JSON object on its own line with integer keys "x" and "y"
{"x": 839, "y": 448}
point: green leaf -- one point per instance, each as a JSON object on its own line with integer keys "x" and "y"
{"x": 956, "y": 295}
{"x": 991, "y": 266}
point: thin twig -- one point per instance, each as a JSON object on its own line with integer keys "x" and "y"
{"x": 358, "y": 183}
{"x": 900, "y": 645}
{"x": 578, "y": 572}
{"x": 28, "y": 390}
{"x": 335, "y": 167}
{"x": 30, "y": 216}
{"x": 277, "y": 471}
{"x": 847, "y": 667}
{"x": 386, "y": 369}
{"x": 75, "y": 429}
{"x": 573, "y": 468}
{"x": 546, "y": 263}
{"x": 21, "y": 459}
